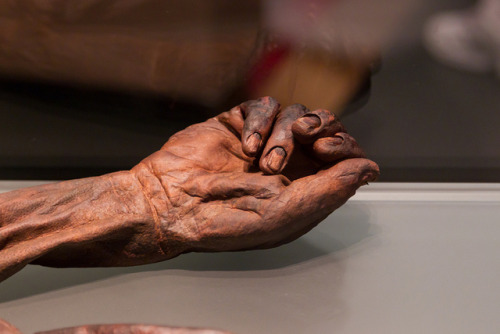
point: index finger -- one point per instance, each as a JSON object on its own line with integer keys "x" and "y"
{"x": 259, "y": 118}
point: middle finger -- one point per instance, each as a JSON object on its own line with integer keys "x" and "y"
{"x": 280, "y": 144}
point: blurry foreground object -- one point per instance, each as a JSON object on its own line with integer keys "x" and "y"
{"x": 6, "y": 328}
{"x": 468, "y": 39}
{"x": 193, "y": 50}
{"x": 316, "y": 52}
{"x": 315, "y": 77}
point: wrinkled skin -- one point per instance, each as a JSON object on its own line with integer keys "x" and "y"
{"x": 6, "y": 328}
{"x": 255, "y": 177}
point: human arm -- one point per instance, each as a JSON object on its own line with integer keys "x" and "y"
{"x": 215, "y": 186}
{"x": 97, "y": 221}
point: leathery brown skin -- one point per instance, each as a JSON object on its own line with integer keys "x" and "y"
{"x": 6, "y": 328}
{"x": 253, "y": 177}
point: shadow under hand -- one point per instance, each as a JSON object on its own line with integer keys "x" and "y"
{"x": 346, "y": 227}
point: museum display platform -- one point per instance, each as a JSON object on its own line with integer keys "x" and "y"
{"x": 397, "y": 258}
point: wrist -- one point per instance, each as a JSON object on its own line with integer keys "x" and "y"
{"x": 155, "y": 192}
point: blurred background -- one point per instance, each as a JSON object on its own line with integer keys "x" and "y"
{"x": 93, "y": 86}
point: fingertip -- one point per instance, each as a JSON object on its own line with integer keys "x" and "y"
{"x": 306, "y": 128}
{"x": 372, "y": 172}
{"x": 273, "y": 162}
{"x": 357, "y": 171}
{"x": 316, "y": 124}
{"x": 270, "y": 101}
{"x": 329, "y": 149}
{"x": 252, "y": 144}
{"x": 259, "y": 116}
{"x": 339, "y": 147}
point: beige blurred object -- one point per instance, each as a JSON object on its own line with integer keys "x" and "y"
{"x": 315, "y": 78}
{"x": 188, "y": 49}
{"x": 333, "y": 45}
{"x": 342, "y": 27}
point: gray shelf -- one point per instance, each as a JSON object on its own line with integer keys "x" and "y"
{"x": 397, "y": 258}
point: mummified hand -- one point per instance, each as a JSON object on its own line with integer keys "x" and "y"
{"x": 253, "y": 177}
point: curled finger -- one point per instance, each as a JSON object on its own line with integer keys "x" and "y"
{"x": 280, "y": 144}
{"x": 316, "y": 124}
{"x": 338, "y": 147}
{"x": 259, "y": 116}
{"x": 252, "y": 122}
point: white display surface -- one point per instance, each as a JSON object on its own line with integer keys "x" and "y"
{"x": 397, "y": 258}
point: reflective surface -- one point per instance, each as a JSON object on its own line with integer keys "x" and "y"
{"x": 411, "y": 265}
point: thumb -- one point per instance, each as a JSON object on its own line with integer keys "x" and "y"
{"x": 328, "y": 189}
{"x": 307, "y": 201}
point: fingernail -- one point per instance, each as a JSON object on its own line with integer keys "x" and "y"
{"x": 275, "y": 159}
{"x": 253, "y": 142}
{"x": 368, "y": 177}
{"x": 310, "y": 121}
{"x": 336, "y": 140}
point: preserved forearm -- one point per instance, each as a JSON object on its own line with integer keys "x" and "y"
{"x": 98, "y": 221}
{"x": 202, "y": 191}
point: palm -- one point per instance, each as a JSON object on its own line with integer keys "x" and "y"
{"x": 211, "y": 183}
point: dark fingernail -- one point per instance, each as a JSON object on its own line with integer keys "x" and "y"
{"x": 253, "y": 142}
{"x": 336, "y": 140}
{"x": 275, "y": 159}
{"x": 310, "y": 121}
